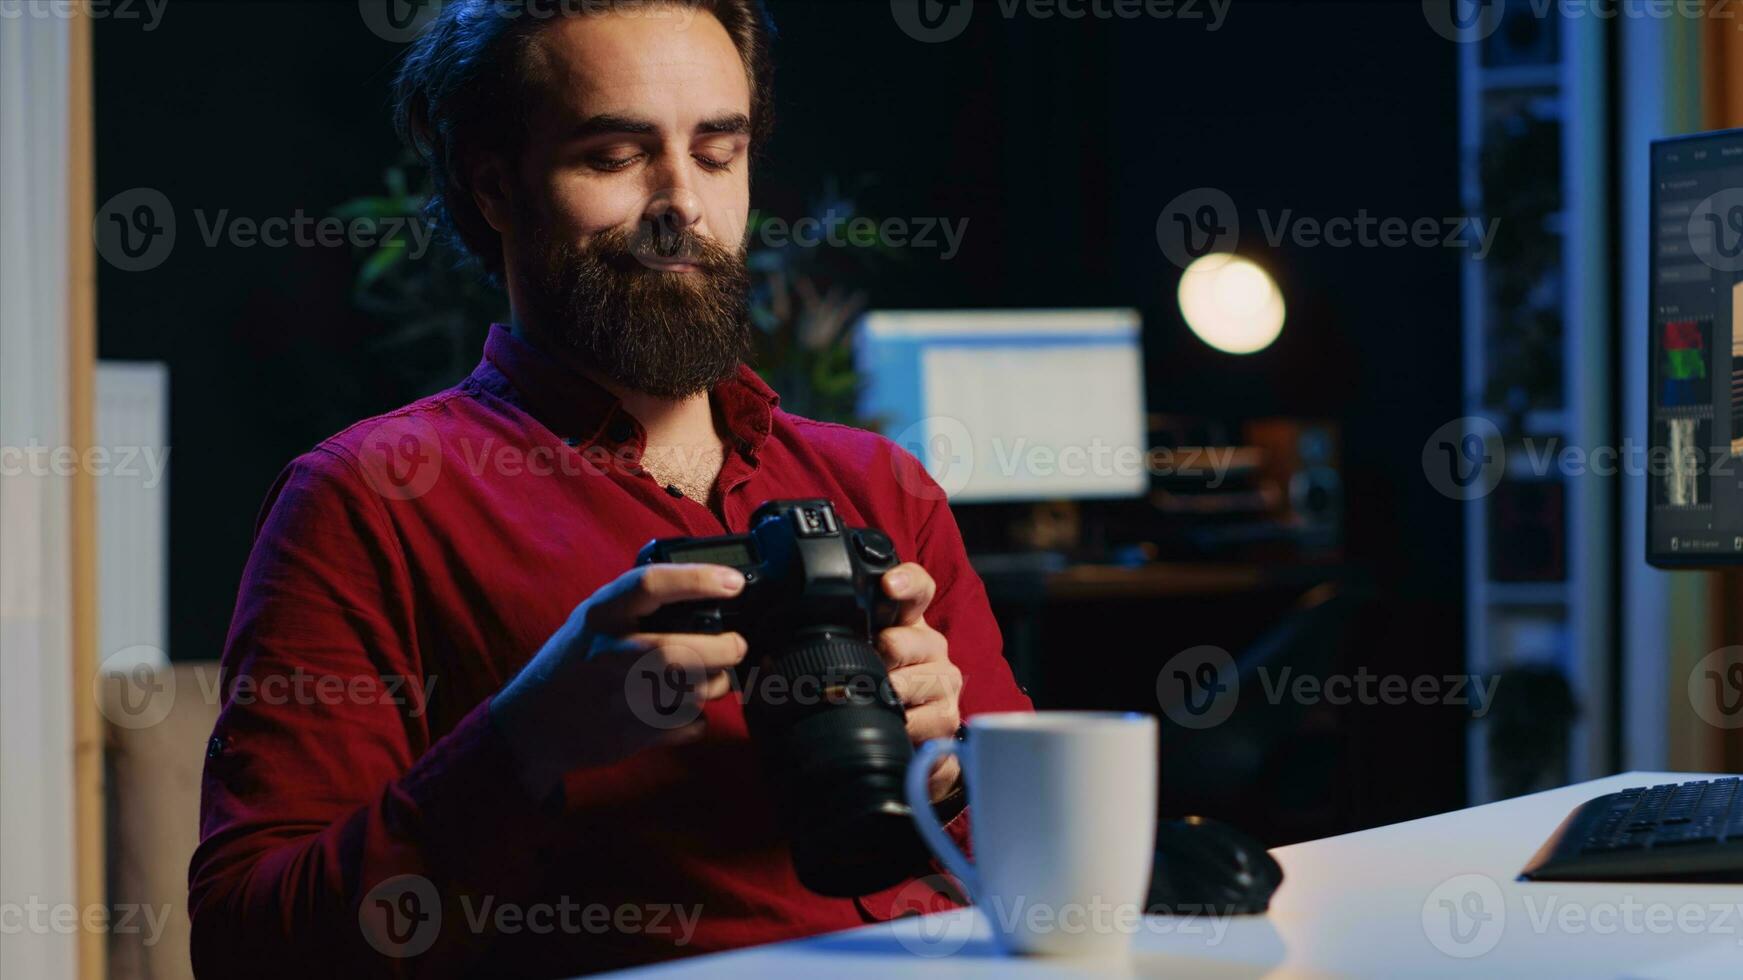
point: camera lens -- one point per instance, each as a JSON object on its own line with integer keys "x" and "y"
{"x": 836, "y": 742}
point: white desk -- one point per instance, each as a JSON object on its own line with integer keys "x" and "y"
{"x": 1367, "y": 904}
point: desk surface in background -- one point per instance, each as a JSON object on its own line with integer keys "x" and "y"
{"x": 1357, "y": 905}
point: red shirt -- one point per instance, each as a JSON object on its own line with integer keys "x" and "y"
{"x": 359, "y": 812}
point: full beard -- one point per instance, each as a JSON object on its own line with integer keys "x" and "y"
{"x": 668, "y": 334}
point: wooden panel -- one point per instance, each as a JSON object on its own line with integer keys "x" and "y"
{"x": 1722, "y": 108}
{"x": 82, "y": 364}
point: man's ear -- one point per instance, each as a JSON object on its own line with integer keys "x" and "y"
{"x": 491, "y": 187}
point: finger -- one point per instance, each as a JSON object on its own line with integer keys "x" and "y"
{"x": 617, "y": 606}
{"x": 904, "y": 646}
{"x": 912, "y": 587}
{"x": 937, "y": 719}
{"x": 916, "y": 686}
{"x": 696, "y": 653}
{"x": 943, "y": 776}
{"x": 717, "y": 686}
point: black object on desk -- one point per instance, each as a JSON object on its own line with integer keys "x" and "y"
{"x": 1206, "y": 867}
{"x": 1686, "y": 831}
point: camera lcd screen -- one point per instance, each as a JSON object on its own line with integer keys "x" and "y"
{"x": 734, "y": 553}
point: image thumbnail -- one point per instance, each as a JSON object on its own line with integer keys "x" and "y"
{"x": 1681, "y": 479}
{"x": 1685, "y": 349}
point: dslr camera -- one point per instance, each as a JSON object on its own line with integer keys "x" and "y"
{"x": 830, "y": 732}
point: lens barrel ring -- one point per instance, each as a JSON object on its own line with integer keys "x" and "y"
{"x": 832, "y": 657}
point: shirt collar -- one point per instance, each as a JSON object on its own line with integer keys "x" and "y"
{"x": 583, "y": 412}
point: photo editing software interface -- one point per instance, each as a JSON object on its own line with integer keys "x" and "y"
{"x": 1695, "y": 467}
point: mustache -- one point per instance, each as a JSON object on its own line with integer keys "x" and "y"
{"x": 659, "y": 241}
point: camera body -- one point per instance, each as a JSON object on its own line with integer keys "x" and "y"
{"x": 830, "y": 732}
{"x": 802, "y": 570}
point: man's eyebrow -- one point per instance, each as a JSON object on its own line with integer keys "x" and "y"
{"x": 611, "y": 123}
{"x": 731, "y": 124}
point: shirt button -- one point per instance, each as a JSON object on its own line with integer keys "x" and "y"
{"x": 214, "y": 748}
{"x": 572, "y": 441}
{"x": 621, "y": 430}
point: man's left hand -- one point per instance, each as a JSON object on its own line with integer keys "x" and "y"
{"x": 918, "y": 659}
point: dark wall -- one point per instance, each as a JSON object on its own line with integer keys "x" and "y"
{"x": 1060, "y": 142}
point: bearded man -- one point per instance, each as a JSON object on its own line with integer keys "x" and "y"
{"x": 454, "y": 779}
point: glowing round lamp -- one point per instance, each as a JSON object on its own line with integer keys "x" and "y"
{"x": 1231, "y": 303}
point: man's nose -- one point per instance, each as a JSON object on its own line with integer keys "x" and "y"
{"x": 669, "y": 213}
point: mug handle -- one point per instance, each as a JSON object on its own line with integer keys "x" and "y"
{"x": 919, "y": 800}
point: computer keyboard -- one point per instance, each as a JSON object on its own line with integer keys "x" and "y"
{"x": 1678, "y": 830}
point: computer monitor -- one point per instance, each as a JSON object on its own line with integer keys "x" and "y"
{"x": 1694, "y": 471}
{"x": 1011, "y": 405}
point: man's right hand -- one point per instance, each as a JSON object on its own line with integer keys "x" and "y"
{"x": 568, "y": 709}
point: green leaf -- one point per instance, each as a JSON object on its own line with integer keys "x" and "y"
{"x": 381, "y": 262}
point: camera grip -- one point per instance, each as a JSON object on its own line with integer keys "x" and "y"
{"x": 685, "y": 617}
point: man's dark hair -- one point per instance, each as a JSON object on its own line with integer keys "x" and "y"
{"x": 466, "y": 87}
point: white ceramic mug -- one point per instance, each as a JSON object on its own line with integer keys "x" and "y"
{"x": 1062, "y": 808}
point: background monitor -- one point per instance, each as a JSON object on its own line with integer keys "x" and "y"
{"x": 1011, "y": 405}
{"x": 1695, "y": 467}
